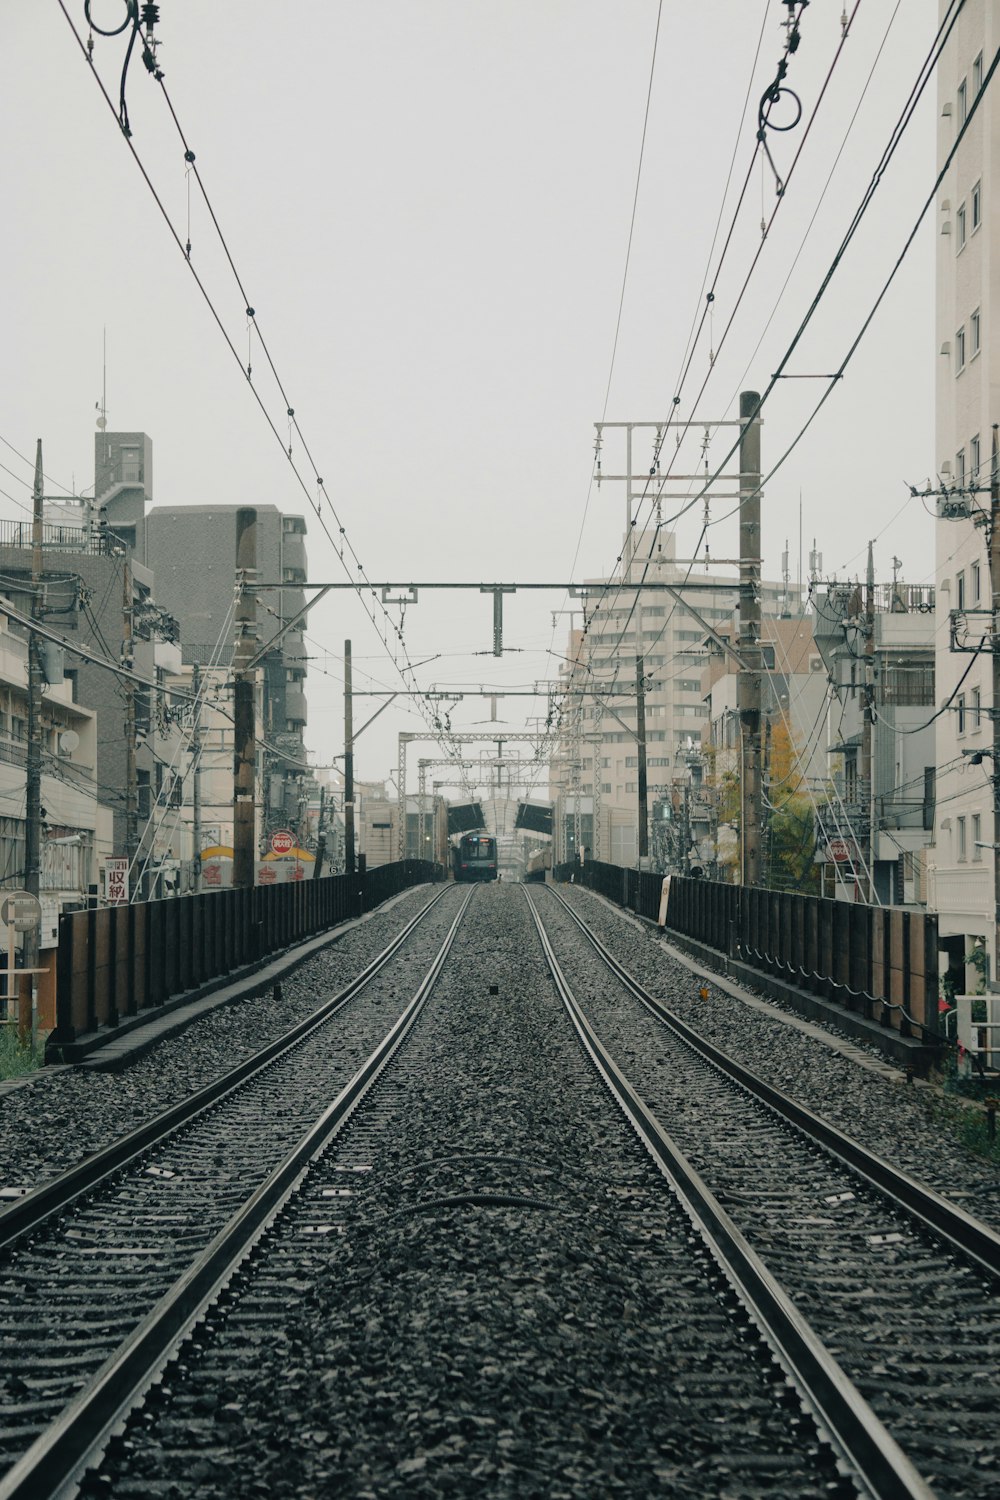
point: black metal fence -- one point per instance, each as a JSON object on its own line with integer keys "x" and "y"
{"x": 879, "y": 961}
{"x": 119, "y": 961}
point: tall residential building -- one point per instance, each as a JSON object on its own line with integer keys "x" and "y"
{"x": 967, "y": 349}
{"x": 192, "y": 550}
{"x": 594, "y": 768}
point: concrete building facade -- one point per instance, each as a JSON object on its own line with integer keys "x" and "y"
{"x": 192, "y": 551}
{"x": 76, "y": 831}
{"x": 886, "y": 808}
{"x": 90, "y": 580}
{"x": 594, "y": 768}
{"x": 967, "y": 351}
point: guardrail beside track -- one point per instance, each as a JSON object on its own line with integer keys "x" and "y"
{"x": 61, "y": 1455}
{"x": 966, "y": 1234}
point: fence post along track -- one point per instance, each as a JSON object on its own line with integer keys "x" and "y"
{"x": 115, "y": 963}
{"x": 876, "y": 962}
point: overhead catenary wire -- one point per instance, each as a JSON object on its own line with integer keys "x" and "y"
{"x": 586, "y": 507}
{"x": 679, "y": 384}
{"x": 923, "y": 78}
{"x": 924, "y": 74}
{"x": 362, "y": 585}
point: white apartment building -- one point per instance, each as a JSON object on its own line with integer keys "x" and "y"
{"x": 967, "y": 346}
{"x": 76, "y": 830}
{"x": 595, "y": 765}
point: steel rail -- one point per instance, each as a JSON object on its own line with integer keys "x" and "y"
{"x": 966, "y": 1234}
{"x": 843, "y": 1416}
{"x": 59, "y": 1458}
{"x": 30, "y": 1212}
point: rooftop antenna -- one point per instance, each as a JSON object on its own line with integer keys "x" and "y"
{"x": 815, "y": 563}
{"x": 785, "y": 579}
{"x": 102, "y": 405}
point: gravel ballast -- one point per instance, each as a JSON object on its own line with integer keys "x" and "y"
{"x": 510, "y": 1303}
{"x": 62, "y": 1116}
{"x": 900, "y": 1123}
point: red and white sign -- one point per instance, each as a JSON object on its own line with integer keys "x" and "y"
{"x": 282, "y": 841}
{"x": 116, "y": 880}
{"x": 840, "y": 851}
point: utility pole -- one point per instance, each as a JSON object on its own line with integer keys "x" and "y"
{"x": 748, "y": 679}
{"x": 33, "y": 795}
{"x": 196, "y": 774}
{"x": 131, "y": 775}
{"x": 640, "y": 739}
{"x": 244, "y": 704}
{"x": 320, "y": 835}
{"x": 349, "y": 861}
{"x": 868, "y": 725}
{"x": 994, "y": 539}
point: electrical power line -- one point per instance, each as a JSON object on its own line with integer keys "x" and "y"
{"x": 362, "y": 584}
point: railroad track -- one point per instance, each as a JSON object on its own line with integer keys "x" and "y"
{"x": 105, "y": 1267}
{"x": 475, "y": 1269}
{"x": 487, "y": 1160}
{"x": 898, "y": 1282}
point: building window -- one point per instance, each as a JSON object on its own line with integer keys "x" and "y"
{"x": 907, "y": 684}
{"x": 963, "y": 102}
{"x": 977, "y": 835}
{"x": 960, "y": 851}
{"x": 977, "y": 75}
{"x": 975, "y": 708}
{"x": 974, "y": 457}
{"x": 974, "y": 333}
{"x": 631, "y": 786}
{"x": 960, "y": 229}
{"x": 131, "y": 461}
{"x": 977, "y": 206}
{"x": 960, "y": 468}
{"x": 960, "y": 706}
{"x": 960, "y": 350}
{"x": 960, "y": 591}
{"x": 975, "y": 580}
{"x": 606, "y": 788}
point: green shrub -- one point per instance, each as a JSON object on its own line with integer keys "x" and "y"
{"x": 17, "y": 1056}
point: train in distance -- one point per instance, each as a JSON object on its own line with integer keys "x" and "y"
{"x": 474, "y": 857}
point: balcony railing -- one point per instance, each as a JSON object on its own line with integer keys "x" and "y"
{"x": 95, "y": 542}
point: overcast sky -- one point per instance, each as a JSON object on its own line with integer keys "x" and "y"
{"x": 429, "y": 206}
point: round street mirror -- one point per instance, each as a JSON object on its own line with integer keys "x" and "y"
{"x": 20, "y": 910}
